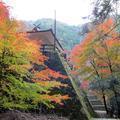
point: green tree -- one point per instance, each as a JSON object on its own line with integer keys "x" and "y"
{"x": 18, "y": 55}
{"x": 97, "y": 58}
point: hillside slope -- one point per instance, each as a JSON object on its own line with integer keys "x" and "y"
{"x": 67, "y": 35}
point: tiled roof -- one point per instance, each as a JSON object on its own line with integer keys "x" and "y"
{"x": 45, "y": 36}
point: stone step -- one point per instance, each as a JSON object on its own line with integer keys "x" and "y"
{"x": 101, "y": 114}
{"x": 98, "y": 107}
{"x": 96, "y": 102}
{"x": 92, "y": 97}
{"x": 104, "y": 119}
{"x": 100, "y": 111}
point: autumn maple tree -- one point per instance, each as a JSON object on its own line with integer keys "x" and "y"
{"x": 21, "y": 86}
{"x": 97, "y": 59}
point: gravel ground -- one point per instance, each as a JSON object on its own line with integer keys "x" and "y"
{"x": 17, "y": 115}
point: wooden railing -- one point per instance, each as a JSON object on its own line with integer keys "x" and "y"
{"x": 51, "y": 48}
{"x": 47, "y": 48}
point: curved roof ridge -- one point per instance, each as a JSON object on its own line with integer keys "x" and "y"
{"x": 40, "y": 31}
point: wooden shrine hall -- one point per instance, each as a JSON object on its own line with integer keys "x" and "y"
{"x": 48, "y": 39}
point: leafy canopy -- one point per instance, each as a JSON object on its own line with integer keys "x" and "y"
{"x": 18, "y": 55}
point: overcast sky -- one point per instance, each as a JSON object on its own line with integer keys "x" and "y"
{"x": 68, "y": 11}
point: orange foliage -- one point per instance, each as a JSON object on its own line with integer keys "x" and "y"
{"x": 76, "y": 51}
{"x": 85, "y": 84}
{"x": 101, "y": 29}
{"x": 47, "y": 78}
{"x": 97, "y": 46}
{"x": 112, "y": 42}
{"x": 106, "y": 26}
{"x": 4, "y": 14}
{"x": 73, "y": 72}
{"x": 27, "y": 52}
{"x": 48, "y": 74}
{"x": 30, "y": 47}
{"x": 56, "y": 98}
{"x": 51, "y": 84}
{"x": 101, "y": 63}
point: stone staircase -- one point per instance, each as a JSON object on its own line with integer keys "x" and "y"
{"x": 97, "y": 105}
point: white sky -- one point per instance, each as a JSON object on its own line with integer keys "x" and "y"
{"x": 68, "y": 11}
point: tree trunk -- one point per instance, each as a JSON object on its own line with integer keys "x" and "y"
{"x": 104, "y": 101}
